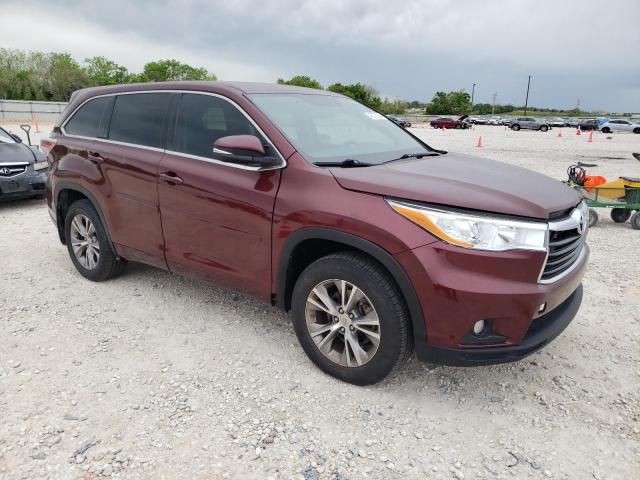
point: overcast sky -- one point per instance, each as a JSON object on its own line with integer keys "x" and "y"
{"x": 587, "y": 49}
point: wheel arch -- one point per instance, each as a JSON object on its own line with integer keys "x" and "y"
{"x": 66, "y": 193}
{"x": 295, "y": 257}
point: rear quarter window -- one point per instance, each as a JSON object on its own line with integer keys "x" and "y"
{"x": 139, "y": 118}
{"x": 91, "y": 119}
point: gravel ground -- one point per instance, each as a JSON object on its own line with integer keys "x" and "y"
{"x": 152, "y": 375}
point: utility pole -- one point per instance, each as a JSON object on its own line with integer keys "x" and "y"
{"x": 473, "y": 91}
{"x": 526, "y": 102}
{"x": 493, "y": 107}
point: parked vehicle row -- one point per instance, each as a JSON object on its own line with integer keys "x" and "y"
{"x": 378, "y": 244}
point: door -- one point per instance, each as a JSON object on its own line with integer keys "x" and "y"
{"x": 216, "y": 217}
{"x": 124, "y": 170}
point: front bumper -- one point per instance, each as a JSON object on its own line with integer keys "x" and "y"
{"x": 458, "y": 287}
{"x": 542, "y": 331}
{"x": 27, "y": 185}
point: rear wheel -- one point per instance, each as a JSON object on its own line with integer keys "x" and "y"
{"x": 593, "y": 217}
{"x": 606, "y": 130}
{"x": 635, "y": 221}
{"x": 620, "y": 215}
{"x": 636, "y": 130}
{"x": 350, "y": 318}
{"x": 544, "y": 128}
{"x": 515, "y": 127}
{"x": 88, "y": 245}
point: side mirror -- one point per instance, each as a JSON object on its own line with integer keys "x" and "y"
{"x": 242, "y": 149}
{"x": 16, "y": 137}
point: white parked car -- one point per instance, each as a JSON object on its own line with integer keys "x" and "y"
{"x": 620, "y": 126}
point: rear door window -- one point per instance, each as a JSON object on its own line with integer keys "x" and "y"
{"x": 203, "y": 119}
{"x": 91, "y": 119}
{"x": 139, "y": 118}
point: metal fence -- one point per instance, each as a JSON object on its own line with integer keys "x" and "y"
{"x": 23, "y": 111}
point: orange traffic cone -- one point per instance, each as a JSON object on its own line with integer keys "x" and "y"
{"x": 35, "y": 119}
{"x": 590, "y": 139}
{"x": 578, "y": 132}
{"x": 479, "y": 144}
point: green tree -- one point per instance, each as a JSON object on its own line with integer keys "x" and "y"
{"x": 64, "y": 76}
{"x": 173, "y": 70}
{"x": 362, "y": 93}
{"x": 102, "y": 71}
{"x": 396, "y": 106}
{"x": 301, "y": 81}
{"x": 451, "y": 103}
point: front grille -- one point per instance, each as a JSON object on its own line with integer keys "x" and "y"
{"x": 12, "y": 169}
{"x": 565, "y": 247}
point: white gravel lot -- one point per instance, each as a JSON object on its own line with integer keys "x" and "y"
{"x": 152, "y": 375}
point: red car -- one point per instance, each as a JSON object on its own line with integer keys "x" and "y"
{"x": 377, "y": 243}
{"x": 449, "y": 122}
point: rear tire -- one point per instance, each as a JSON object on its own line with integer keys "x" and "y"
{"x": 635, "y": 221}
{"x": 620, "y": 215}
{"x": 593, "y": 217}
{"x": 606, "y": 130}
{"x": 636, "y": 130}
{"x": 335, "y": 277}
{"x": 88, "y": 245}
{"x": 544, "y": 128}
{"x": 515, "y": 128}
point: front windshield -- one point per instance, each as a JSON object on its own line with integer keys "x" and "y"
{"x": 327, "y": 129}
{"x": 5, "y": 137}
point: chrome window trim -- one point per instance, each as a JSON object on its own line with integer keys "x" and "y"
{"x": 195, "y": 157}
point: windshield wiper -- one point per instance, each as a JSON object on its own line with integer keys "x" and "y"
{"x": 346, "y": 163}
{"x": 433, "y": 153}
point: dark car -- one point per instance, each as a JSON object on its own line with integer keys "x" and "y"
{"x": 444, "y": 122}
{"x": 399, "y": 121}
{"x": 588, "y": 124}
{"x": 377, "y": 243}
{"x": 23, "y": 170}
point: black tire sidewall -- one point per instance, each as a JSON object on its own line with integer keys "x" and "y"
{"x": 620, "y": 215}
{"x": 106, "y": 259}
{"x": 635, "y": 221}
{"x": 378, "y": 289}
{"x": 593, "y": 217}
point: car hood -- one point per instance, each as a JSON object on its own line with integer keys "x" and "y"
{"x": 15, "y": 152}
{"x": 463, "y": 181}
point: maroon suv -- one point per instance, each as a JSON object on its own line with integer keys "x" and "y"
{"x": 305, "y": 199}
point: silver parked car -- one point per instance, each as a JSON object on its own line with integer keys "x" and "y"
{"x": 529, "y": 123}
{"x": 620, "y": 126}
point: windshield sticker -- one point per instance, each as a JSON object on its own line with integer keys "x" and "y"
{"x": 374, "y": 115}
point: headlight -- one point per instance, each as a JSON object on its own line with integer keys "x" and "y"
{"x": 475, "y": 231}
{"x": 41, "y": 165}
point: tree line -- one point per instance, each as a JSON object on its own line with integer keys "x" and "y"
{"x": 55, "y": 76}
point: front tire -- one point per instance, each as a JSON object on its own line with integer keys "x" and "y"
{"x": 88, "y": 244}
{"x": 593, "y": 217}
{"x": 606, "y": 130}
{"x": 350, "y": 318}
{"x": 635, "y": 221}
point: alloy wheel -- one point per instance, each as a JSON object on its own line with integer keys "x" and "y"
{"x": 84, "y": 241}
{"x": 342, "y": 322}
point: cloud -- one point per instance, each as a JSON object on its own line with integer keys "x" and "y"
{"x": 574, "y": 49}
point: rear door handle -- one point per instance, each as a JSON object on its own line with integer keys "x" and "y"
{"x": 95, "y": 157}
{"x": 171, "y": 178}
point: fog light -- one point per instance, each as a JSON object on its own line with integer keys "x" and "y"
{"x": 542, "y": 307}
{"x": 478, "y": 327}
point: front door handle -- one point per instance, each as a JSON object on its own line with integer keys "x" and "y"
{"x": 171, "y": 178}
{"x": 94, "y": 157}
